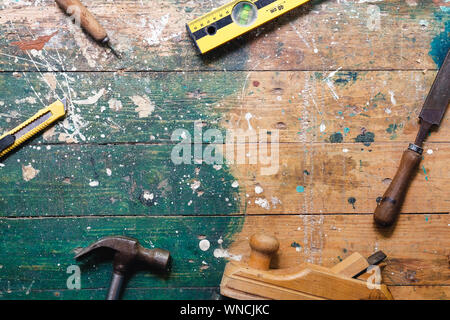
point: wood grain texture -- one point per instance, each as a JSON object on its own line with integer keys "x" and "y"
{"x": 342, "y": 82}
{"x": 417, "y": 248}
{"x": 301, "y": 106}
{"x": 39, "y": 251}
{"x": 321, "y": 35}
{"x": 85, "y": 180}
{"x": 46, "y": 246}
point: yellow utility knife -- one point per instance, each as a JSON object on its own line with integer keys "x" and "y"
{"x": 41, "y": 120}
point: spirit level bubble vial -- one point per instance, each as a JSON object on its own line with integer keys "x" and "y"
{"x": 234, "y": 19}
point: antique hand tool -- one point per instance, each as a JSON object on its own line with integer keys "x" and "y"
{"x": 126, "y": 252}
{"x": 432, "y": 113}
{"x": 41, "y": 120}
{"x": 234, "y": 19}
{"x": 87, "y": 21}
{"x": 256, "y": 280}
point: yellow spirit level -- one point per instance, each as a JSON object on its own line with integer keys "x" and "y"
{"x": 234, "y": 19}
{"x": 41, "y": 120}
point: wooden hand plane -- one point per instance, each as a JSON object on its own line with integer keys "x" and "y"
{"x": 255, "y": 281}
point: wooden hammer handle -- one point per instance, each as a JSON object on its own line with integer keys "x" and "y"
{"x": 87, "y": 21}
{"x": 389, "y": 206}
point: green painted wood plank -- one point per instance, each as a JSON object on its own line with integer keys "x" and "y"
{"x": 35, "y": 253}
{"x": 111, "y": 107}
{"x": 85, "y": 180}
{"x": 129, "y": 294}
{"x": 321, "y": 35}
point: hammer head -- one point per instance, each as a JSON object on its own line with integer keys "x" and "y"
{"x": 128, "y": 250}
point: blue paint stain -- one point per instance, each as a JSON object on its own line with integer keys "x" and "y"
{"x": 346, "y": 130}
{"x": 441, "y": 43}
{"x": 425, "y": 171}
{"x": 366, "y": 138}
{"x": 295, "y": 245}
{"x": 352, "y": 201}
{"x": 300, "y": 189}
{"x": 336, "y": 137}
{"x": 345, "y": 77}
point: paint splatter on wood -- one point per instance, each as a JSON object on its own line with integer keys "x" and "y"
{"x": 144, "y": 105}
{"x": 37, "y": 44}
{"x": 29, "y": 173}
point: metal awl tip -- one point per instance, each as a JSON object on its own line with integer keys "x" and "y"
{"x": 114, "y": 51}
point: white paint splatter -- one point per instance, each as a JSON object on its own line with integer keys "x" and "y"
{"x": 115, "y": 105}
{"x": 94, "y": 183}
{"x": 48, "y": 134}
{"x": 374, "y": 18}
{"x": 156, "y": 29}
{"x": 263, "y": 203}
{"x": 29, "y": 173}
{"x": 223, "y": 253}
{"x": 345, "y": 150}
{"x": 144, "y": 105}
{"x": 235, "y": 184}
{"x": 28, "y": 100}
{"x": 393, "y": 101}
{"x": 322, "y": 127}
{"x": 275, "y": 201}
{"x": 258, "y": 189}
{"x": 204, "y": 244}
{"x": 148, "y": 196}
{"x": 108, "y": 172}
{"x": 50, "y": 79}
{"x": 330, "y": 83}
{"x": 91, "y": 100}
{"x": 195, "y": 185}
{"x": 430, "y": 151}
{"x": 248, "y": 116}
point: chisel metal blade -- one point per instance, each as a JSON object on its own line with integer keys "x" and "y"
{"x": 439, "y": 96}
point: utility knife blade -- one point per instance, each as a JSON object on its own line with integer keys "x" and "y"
{"x": 41, "y": 120}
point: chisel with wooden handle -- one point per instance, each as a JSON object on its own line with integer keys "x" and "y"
{"x": 431, "y": 115}
{"x": 87, "y": 21}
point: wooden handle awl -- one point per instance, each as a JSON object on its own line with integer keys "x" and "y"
{"x": 389, "y": 206}
{"x": 88, "y": 22}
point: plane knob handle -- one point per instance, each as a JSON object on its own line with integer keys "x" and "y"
{"x": 263, "y": 247}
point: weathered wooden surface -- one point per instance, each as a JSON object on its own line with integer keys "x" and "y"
{"x": 303, "y": 106}
{"x": 322, "y": 240}
{"x": 311, "y": 178}
{"x": 341, "y": 81}
{"x": 321, "y": 35}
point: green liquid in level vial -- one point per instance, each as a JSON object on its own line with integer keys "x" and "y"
{"x": 244, "y": 13}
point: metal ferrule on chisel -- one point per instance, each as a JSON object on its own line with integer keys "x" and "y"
{"x": 41, "y": 120}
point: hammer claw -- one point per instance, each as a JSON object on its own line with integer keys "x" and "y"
{"x": 117, "y": 243}
{"x": 126, "y": 251}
